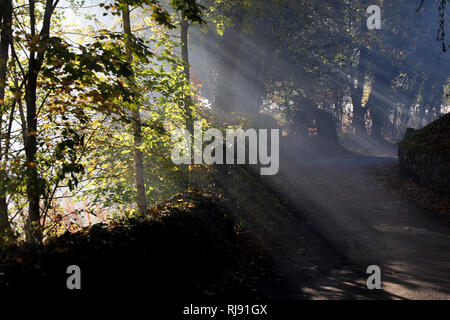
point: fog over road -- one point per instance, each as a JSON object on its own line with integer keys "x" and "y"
{"x": 328, "y": 221}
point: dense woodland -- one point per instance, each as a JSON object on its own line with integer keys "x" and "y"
{"x": 90, "y": 91}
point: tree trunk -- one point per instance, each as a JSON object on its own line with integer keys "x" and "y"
{"x": 381, "y": 101}
{"x": 33, "y": 232}
{"x": 426, "y": 101}
{"x": 394, "y": 134}
{"x": 137, "y": 126}
{"x": 184, "y": 24}
{"x": 359, "y": 111}
{"x": 33, "y": 228}
{"x": 376, "y": 106}
{"x": 184, "y": 29}
{"x": 6, "y": 32}
{"x": 436, "y": 101}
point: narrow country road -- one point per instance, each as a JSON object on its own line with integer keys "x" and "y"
{"x": 323, "y": 223}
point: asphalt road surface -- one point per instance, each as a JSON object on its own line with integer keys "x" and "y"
{"x": 324, "y": 222}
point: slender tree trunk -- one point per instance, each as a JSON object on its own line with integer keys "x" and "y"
{"x": 33, "y": 232}
{"x": 436, "y": 101}
{"x": 6, "y": 32}
{"x": 381, "y": 100}
{"x": 394, "y": 125}
{"x": 185, "y": 57}
{"x": 137, "y": 127}
{"x": 377, "y": 106}
{"x": 356, "y": 92}
{"x": 184, "y": 29}
{"x": 426, "y": 100}
{"x": 33, "y": 228}
{"x": 338, "y": 110}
